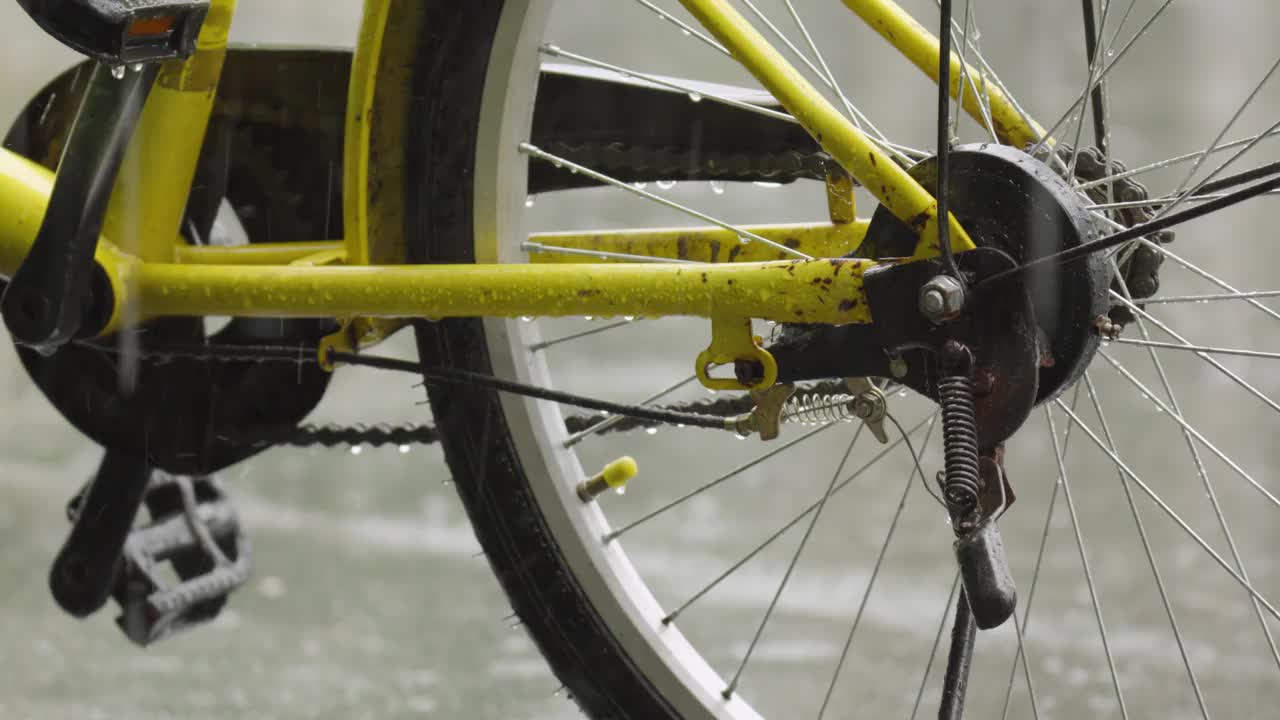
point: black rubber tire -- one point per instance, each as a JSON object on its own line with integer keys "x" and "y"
{"x": 449, "y": 74}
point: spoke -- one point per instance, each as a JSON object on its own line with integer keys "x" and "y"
{"x": 1211, "y": 297}
{"x": 1174, "y": 410}
{"x": 1205, "y": 356}
{"x": 578, "y": 335}
{"x": 686, "y": 28}
{"x": 966, "y": 79}
{"x": 937, "y": 642}
{"x": 1183, "y": 192}
{"x": 743, "y": 234}
{"x": 1160, "y": 201}
{"x": 795, "y": 558}
{"x": 1177, "y": 519}
{"x": 793, "y": 521}
{"x": 1031, "y": 596}
{"x": 1146, "y": 548}
{"x": 530, "y": 246}
{"x": 1198, "y": 348}
{"x": 1174, "y": 161}
{"x": 1035, "y": 578}
{"x": 875, "y": 570}
{"x": 1176, "y": 415}
{"x": 1084, "y": 562}
{"x": 828, "y": 78}
{"x": 727, "y": 476}
{"x": 1100, "y": 76}
{"x": 1206, "y": 275}
{"x": 1026, "y": 667}
{"x": 673, "y": 83}
{"x": 989, "y": 76}
{"x": 612, "y": 420}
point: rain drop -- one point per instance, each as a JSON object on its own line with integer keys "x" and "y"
{"x": 685, "y": 32}
{"x": 136, "y": 67}
{"x": 717, "y": 187}
{"x": 404, "y": 449}
{"x": 765, "y": 184}
{"x": 666, "y": 184}
{"x": 651, "y": 431}
{"x": 640, "y": 185}
{"x": 695, "y": 97}
{"x": 588, "y": 317}
{"x": 528, "y": 202}
{"x": 629, "y": 318}
{"x": 356, "y": 449}
{"x": 744, "y": 239}
{"x": 621, "y": 490}
{"x": 526, "y": 318}
{"x": 117, "y": 72}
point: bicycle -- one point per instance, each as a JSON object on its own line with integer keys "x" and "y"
{"x": 955, "y": 312}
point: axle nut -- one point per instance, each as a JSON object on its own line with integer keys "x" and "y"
{"x": 941, "y": 299}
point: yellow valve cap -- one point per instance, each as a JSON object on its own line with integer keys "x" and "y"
{"x": 614, "y": 475}
{"x": 617, "y": 473}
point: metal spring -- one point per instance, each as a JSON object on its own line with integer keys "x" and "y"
{"x": 960, "y": 442}
{"x": 818, "y": 408}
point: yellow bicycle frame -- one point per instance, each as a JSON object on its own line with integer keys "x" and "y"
{"x": 154, "y": 273}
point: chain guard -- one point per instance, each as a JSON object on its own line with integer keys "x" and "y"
{"x": 273, "y": 150}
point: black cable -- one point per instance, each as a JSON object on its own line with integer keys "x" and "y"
{"x": 1138, "y": 231}
{"x": 454, "y": 375}
{"x": 944, "y": 143}
{"x": 1091, "y": 53}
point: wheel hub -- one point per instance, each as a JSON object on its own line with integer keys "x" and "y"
{"x": 1031, "y": 337}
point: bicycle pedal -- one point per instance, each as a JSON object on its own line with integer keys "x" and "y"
{"x": 121, "y": 32}
{"x": 195, "y": 529}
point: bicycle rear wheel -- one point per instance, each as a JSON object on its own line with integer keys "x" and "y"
{"x": 1083, "y": 470}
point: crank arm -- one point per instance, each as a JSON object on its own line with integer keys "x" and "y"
{"x": 85, "y": 570}
{"x": 54, "y": 296}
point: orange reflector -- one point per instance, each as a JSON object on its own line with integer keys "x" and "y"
{"x": 151, "y": 26}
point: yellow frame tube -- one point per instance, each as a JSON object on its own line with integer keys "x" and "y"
{"x": 920, "y": 46}
{"x": 151, "y": 189}
{"x": 885, "y": 179}
{"x": 255, "y": 253}
{"x": 703, "y": 244}
{"x": 809, "y": 291}
{"x": 156, "y": 281}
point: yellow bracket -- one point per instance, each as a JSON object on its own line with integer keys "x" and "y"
{"x": 733, "y": 343}
{"x": 354, "y": 334}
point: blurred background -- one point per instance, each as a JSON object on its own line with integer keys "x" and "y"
{"x": 369, "y": 598}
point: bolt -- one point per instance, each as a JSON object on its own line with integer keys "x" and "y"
{"x": 941, "y": 299}
{"x": 1107, "y": 328}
